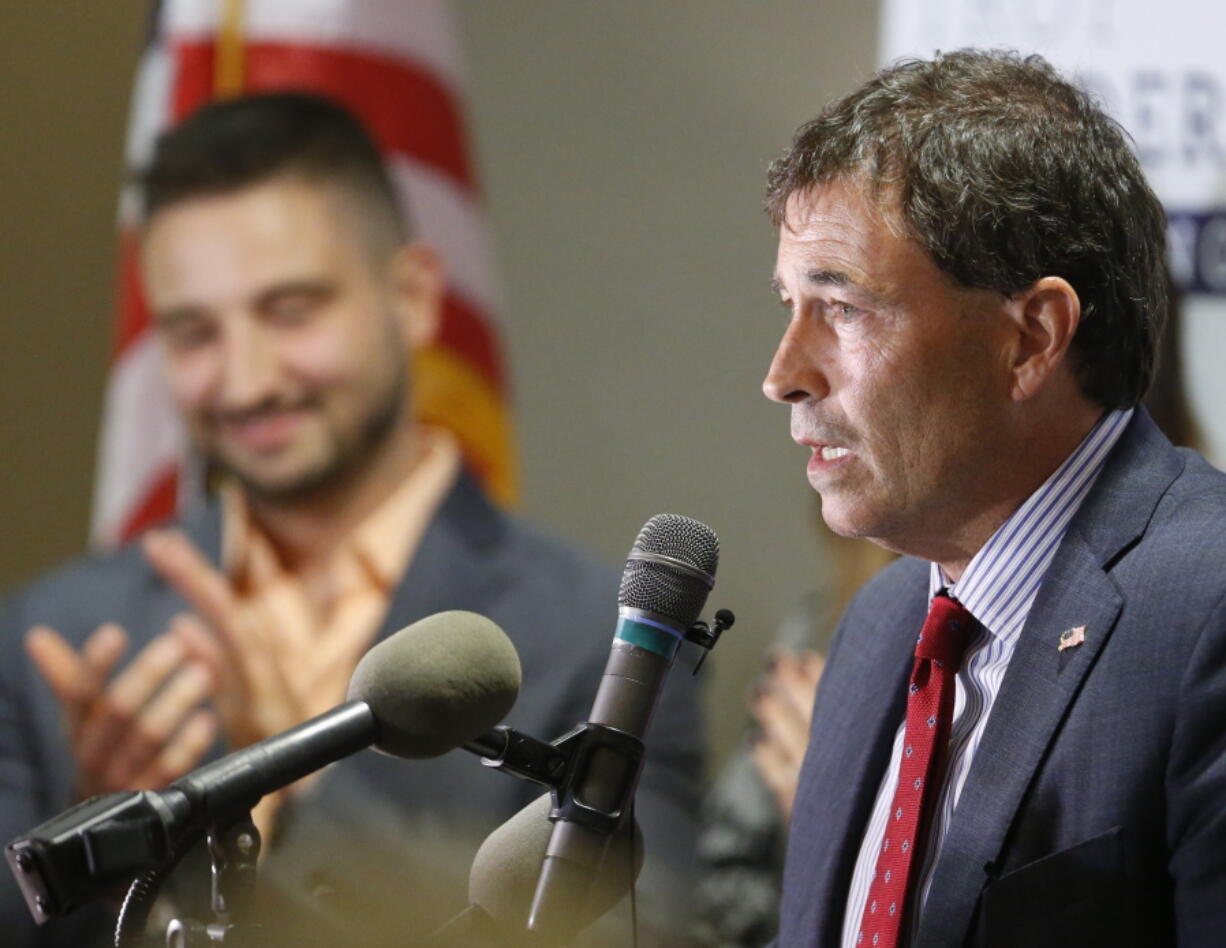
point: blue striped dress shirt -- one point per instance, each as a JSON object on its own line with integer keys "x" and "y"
{"x": 998, "y": 587}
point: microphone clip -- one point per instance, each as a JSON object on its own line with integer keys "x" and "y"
{"x": 563, "y": 766}
{"x": 588, "y": 749}
{"x": 705, "y": 636}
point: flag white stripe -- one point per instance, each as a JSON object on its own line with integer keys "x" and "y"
{"x": 150, "y": 109}
{"x": 141, "y": 436}
{"x": 454, "y": 220}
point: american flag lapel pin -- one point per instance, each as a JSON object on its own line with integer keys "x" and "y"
{"x": 1071, "y": 638}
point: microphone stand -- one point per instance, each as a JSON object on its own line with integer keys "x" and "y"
{"x": 234, "y": 852}
{"x": 560, "y": 765}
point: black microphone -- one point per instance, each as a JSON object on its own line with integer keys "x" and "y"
{"x": 669, "y": 572}
{"x": 419, "y": 693}
{"x": 504, "y": 874}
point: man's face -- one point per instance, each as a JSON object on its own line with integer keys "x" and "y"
{"x": 283, "y": 346}
{"x": 897, "y": 378}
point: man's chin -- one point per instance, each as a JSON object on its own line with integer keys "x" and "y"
{"x": 287, "y": 486}
{"x": 311, "y": 466}
{"x": 848, "y": 517}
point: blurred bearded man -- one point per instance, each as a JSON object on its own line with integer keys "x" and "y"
{"x": 288, "y": 299}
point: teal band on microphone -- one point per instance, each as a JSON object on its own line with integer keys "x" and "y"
{"x": 653, "y": 636}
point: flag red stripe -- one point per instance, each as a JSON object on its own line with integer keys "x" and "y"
{"x": 132, "y": 318}
{"x": 406, "y": 108}
{"x": 464, "y": 331}
{"x": 157, "y": 504}
{"x": 192, "y": 83}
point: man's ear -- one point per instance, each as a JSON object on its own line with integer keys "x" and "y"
{"x": 418, "y": 282}
{"x": 1045, "y": 316}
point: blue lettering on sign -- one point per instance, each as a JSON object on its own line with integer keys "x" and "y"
{"x": 1201, "y": 110}
{"x": 1197, "y": 245}
{"x": 1175, "y": 117}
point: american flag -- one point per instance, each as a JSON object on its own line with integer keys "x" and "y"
{"x": 1071, "y": 638}
{"x": 396, "y": 65}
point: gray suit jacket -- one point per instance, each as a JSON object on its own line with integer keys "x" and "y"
{"x": 1095, "y": 810}
{"x": 382, "y": 845}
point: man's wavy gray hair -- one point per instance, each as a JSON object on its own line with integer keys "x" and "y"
{"x": 1005, "y": 173}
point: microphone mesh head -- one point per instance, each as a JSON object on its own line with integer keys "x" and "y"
{"x": 667, "y": 589}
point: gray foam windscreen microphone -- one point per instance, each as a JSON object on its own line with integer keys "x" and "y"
{"x": 505, "y": 871}
{"x": 438, "y": 683}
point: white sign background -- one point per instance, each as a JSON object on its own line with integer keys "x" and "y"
{"x": 1160, "y": 70}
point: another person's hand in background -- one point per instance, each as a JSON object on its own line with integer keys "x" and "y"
{"x": 782, "y": 706}
{"x": 255, "y": 696}
{"x": 273, "y": 670}
{"x": 142, "y": 729}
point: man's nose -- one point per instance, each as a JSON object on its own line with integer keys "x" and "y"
{"x": 794, "y": 374}
{"x": 250, "y": 369}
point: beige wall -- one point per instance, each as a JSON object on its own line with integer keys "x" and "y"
{"x": 622, "y": 146}
{"x": 65, "y": 74}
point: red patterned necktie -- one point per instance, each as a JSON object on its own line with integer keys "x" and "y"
{"x": 930, "y": 709}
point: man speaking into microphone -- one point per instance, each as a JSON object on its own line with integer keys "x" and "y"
{"x": 288, "y": 298}
{"x": 1018, "y": 736}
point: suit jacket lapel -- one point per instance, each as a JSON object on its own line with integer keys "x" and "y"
{"x": 1041, "y": 680}
{"x": 440, "y": 575}
{"x": 202, "y": 525}
{"x": 159, "y": 602}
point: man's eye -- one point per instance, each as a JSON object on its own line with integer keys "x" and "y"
{"x": 845, "y": 311}
{"x": 289, "y": 311}
{"x": 292, "y": 308}
{"x": 184, "y": 337}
